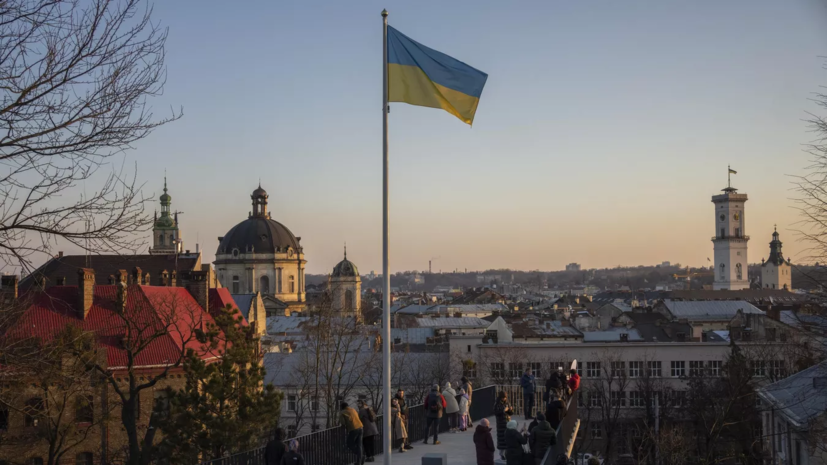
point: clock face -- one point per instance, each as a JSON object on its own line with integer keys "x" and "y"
{"x": 723, "y": 217}
{"x": 737, "y": 217}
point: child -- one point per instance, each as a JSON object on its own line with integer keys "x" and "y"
{"x": 463, "y": 410}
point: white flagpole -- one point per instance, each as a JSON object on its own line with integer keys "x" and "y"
{"x": 386, "y": 275}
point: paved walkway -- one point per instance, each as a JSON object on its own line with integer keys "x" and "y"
{"x": 458, "y": 446}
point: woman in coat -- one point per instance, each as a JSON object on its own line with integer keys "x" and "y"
{"x": 514, "y": 441}
{"x": 369, "y": 430}
{"x": 400, "y": 434}
{"x": 484, "y": 443}
{"x": 502, "y": 411}
{"x": 292, "y": 457}
{"x": 463, "y": 410}
{"x": 451, "y": 407}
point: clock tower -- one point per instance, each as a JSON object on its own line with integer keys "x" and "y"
{"x": 730, "y": 240}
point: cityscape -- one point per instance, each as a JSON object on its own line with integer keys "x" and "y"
{"x": 158, "y": 304}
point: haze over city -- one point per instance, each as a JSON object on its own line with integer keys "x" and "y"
{"x": 600, "y": 137}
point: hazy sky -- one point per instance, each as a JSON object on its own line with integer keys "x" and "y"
{"x": 603, "y": 130}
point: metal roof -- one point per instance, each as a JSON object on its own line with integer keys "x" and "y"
{"x": 800, "y": 396}
{"x": 285, "y": 324}
{"x": 709, "y": 309}
{"x": 611, "y": 335}
{"x": 452, "y": 322}
{"x": 412, "y": 335}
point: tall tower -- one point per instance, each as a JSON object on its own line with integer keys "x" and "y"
{"x": 730, "y": 240}
{"x": 166, "y": 238}
{"x": 776, "y": 271}
{"x": 345, "y": 287}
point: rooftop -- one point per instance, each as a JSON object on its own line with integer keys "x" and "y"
{"x": 802, "y": 396}
{"x": 709, "y": 309}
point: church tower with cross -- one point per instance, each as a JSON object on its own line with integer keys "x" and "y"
{"x": 730, "y": 240}
{"x": 776, "y": 272}
{"x": 166, "y": 238}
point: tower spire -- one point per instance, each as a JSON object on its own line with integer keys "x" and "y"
{"x": 345, "y": 250}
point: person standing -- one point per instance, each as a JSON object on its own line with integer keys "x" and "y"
{"x": 349, "y": 418}
{"x": 403, "y": 412}
{"x": 484, "y": 444}
{"x": 275, "y": 449}
{"x": 292, "y": 457}
{"x": 574, "y": 381}
{"x": 451, "y": 407}
{"x": 502, "y": 412}
{"x": 463, "y": 410}
{"x": 555, "y": 411}
{"x": 434, "y": 406}
{"x": 400, "y": 431}
{"x": 527, "y": 382}
{"x": 541, "y": 438}
{"x": 469, "y": 389}
{"x": 553, "y": 385}
{"x": 369, "y": 431}
{"x": 514, "y": 441}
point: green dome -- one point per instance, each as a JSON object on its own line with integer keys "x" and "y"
{"x": 164, "y": 222}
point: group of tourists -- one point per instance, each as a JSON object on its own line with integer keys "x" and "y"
{"x": 452, "y": 402}
{"x": 277, "y": 453}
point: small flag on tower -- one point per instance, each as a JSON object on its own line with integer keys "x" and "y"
{"x": 732, "y": 171}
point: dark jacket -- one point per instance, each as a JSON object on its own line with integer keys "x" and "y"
{"x": 273, "y": 452}
{"x": 292, "y": 458}
{"x": 435, "y": 396}
{"x": 403, "y": 406}
{"x": 541, "y": 438}
{"x": 484, "y": 445}
{"x": 368, "y": 419}
{"x": 514, "y": 441}
{"x": 503, "y": 412}
{"x": 527, "y": 382}
{"x": 555, "y": 411}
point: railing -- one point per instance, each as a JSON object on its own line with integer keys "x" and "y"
{"x": 329, "y": 447}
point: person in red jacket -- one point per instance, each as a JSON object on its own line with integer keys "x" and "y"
{"x": 574, "y": 381}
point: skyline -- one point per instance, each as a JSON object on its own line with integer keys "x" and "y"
{"x": 600, "y": 137}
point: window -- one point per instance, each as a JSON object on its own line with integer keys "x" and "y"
{"x": 497, "y": 370}
{"x": 654, "y": 369}
{"x": 758, "y": 367}
{"x": 348, "y": 300}
{"x": 515, "y": 370}
{"x": 738, "y": 274}
{"x": 780, "y": 442}
{"x": 636, "y": 399}
{"x": 594, "y": 429}
{"x": 776, "y": 370}
{"x": 738, "y": 233}
{"x": 160, "y": 239}
{"x": 291, "y": 431}
{"x": 84, "y": 413}
{"x": 33, "y": 410}
{"x": 714, "y": 367}
{"x": 618, "y": 398}
{"x": 635, "y": 369}
{"x": 4, "y": 420}
{"x": 84, "y": 458}
{"x": 797, "y": 452}
{"x": 291, "y": 403}
{"x": 678, "y": 369}
{"x": 535, "y": 368}
{"x": 278, "y": 280}
{"x": 618, "y": 369}
{"x": 592, "y": 369}
{"x": 595, "y": 400}
{"x": 469, "y": 368}
{"x": 314, "y": 404}
{"x": 469, "y": 348}
{"x": 679, "y": 399}
{"x": 723, "y": 267}
{"x": 236, "y": 285}
{"x": 770, "y": 332}
{"x": 696, "y": 368}
{"x": 161, "y": 403}
{"x": 264, "y": 285}
{"x": 291, "y": 284}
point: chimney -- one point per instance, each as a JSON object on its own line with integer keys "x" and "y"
{"x": 86, "y": 290}
{"x": 198, "y": 286}
{"x": 60, "y": 254}
{"x": 164, "y": 278}
{"x": 173, "y": 278}
{"x": 773, "y": 313}
{"x": 8, "y": 288}
{"x": 122, "y": 277}
{"x": 565, "y": 322}
{"x": 137, "y": 276}
{"x": 120, "y": 298}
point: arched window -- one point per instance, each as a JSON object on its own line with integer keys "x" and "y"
{"x": 236, "y": 288}
{"x": 33, "y": 410}
{"x": 264, "y": 285}
{"x": 171, "y": 239}
{"x": 348, "y": 300}
{"x": 738, "y": 271}
{"x": 278, "y": 281}
{"x": 291, "y": 284}
{"x": 160, "y": 239}
{"x": 723, "y": 271}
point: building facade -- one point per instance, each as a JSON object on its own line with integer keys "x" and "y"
{"x": 261, "y": 255}
{"x": 776, "y": 272}
{"x": 730, "y": 241}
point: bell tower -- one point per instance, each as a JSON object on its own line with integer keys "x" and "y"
{"x": 730, "y": 240}
{"x": 166, "y": 238}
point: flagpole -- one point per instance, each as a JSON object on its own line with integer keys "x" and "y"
{"x": 386, "y": 276}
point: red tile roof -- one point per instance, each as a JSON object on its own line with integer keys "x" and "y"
{"x": 165, "y": 316}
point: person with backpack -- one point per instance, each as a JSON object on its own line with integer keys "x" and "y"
{"x": 452, "y": 407}
{"x": 349, "y": 418}
{"x": 434, "y": 405}
{"x": 368, "y": 418}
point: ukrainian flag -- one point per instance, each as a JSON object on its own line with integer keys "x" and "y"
{"x": 422, "y": 76}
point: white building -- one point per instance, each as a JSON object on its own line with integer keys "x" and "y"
{"x": 776, "y": 272}
{"x": 262, "y": 255}
{"x": 730, "y": 241}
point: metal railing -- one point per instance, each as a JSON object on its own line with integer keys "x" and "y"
{"x": 329, "y": 446}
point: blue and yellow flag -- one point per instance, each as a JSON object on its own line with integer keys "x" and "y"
{"x": 422, "y": 76}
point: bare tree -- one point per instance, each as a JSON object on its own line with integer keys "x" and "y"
{"x": 75, "y": 77}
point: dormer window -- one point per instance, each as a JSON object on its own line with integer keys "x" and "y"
{"x": 235, "y": 253}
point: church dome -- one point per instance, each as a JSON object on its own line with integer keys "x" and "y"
{"x": 260, "y": 235}
{"x": 345, "y": 269}
{"x": 259, "y": 193}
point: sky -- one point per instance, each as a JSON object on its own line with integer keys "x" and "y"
{"x": 602, "y": 132}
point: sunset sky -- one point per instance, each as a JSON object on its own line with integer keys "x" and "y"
{"x": 603, "y": 131}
